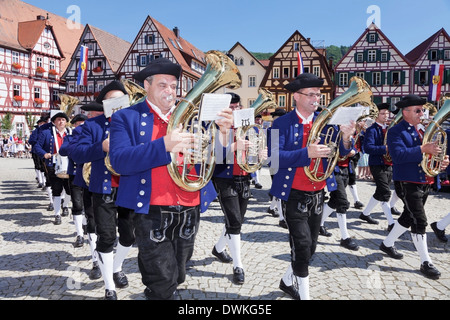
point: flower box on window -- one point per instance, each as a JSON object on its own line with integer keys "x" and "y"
{"x": 40, "y": 70}
{"x": 39, "y": 101}
{"x": 17, "y": 66}
{"x": 52, "y": 72}
{"x": 18, "y": 98}
{"x": 98, "y": 69}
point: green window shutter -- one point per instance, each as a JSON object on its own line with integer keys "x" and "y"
{"x": 378, "y": 55}
{"x": 416, "y": 77}
{"x": 403, "y": 77}
{"x": 377, "y": 99}
{"x": 365, "y": 55}
{"x": 389, "y": 78}
{"x": 383, "y": 78}
{"x": 368, "y": 77}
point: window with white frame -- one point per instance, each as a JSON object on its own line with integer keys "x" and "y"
{"x": 360, "y": 74}
{"x": 16, "y": 90}
{"x": 316, "y": 70}
{"x": 39, "y": 62}
{"x": 384, "y": 56}
{"x": 15, "y": 57}
{"x": 276, "y": 73}
{"x": 376, "y": 78}
{"x": 296, "y": 46}
{"x": 252, "y": 81}
{"x": 360, "y": 57}
{"x": 395, "y": 81}
{"x": 446, "y": 54}
{"x": 286, "y": 72}
{"x": 372, "y": 56}
{"x": 343, "y": 79}
{"x": 52, "y": 65}
{"x": 55, "y": 95}
{"x": 282, "y": 101}
{"x": 37, "y": 93}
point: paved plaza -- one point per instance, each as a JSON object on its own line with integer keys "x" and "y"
{"x": 39, "y": 262}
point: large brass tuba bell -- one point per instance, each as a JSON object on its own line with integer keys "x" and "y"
{"x": 249, "y": 160}
{"x": 358, "y": 92}
{"x": 431, "y": 165}
{"x": 67, "y": 105}
{"x": 220, "y": 72}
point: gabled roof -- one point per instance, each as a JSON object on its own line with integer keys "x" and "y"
{"x": 30, "y": 31}
{"x": 250, "y": 54}
{"x": 12, "y": 12}
{"x": 113, "y": 47}
{"x": 415, "y": 54}
{"x": 373, "y": 27}
{"x": 173, "y": 43}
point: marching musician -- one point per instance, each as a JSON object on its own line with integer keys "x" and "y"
{"x": 302, "y": 198}
{"x": 36, "y": 160}
{"x": 75, "y": 191}
{"x": 380, "y": 168}
{"x": 412, "y": 184}
{"x": 92, "y": 146}
{"x": 51, "y": 138}
{"x": 167, "y": 217}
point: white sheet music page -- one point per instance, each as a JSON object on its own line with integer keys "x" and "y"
{"x": 212, "y": 105}
{"x": 243, "y": 118}
{"x": 345, "y": 115}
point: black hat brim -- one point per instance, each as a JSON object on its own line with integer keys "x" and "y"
{"x": 159, "y": 66}
{"x": 93, "y": 106}
{"x": 113, "y": 86}
{"x": 60, "y": 115}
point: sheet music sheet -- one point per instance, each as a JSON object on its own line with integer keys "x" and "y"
{"x": 212, "y": 104}
{"x": 111, "y": 106}
{"x": 344, "y": 116}
{"x": 244, "y": 118}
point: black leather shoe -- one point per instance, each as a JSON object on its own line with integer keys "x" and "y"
{"x": 359, "y": 205}
{"x": 391, "y": 252}
{"x": 350, "y": 244}
{"x": 440, "y": 234}
{"x": 429, "y": 270}
{"x": 65, "y": 212}
{"x": 290, "y": 290}
{"x": 283, "y": 224}
{"x": 50, "y": 207}
{"x": 395, "y": 212}
{"x": 273, "y": 212}
{"x": 258, "y": 186}
{"x": 110, "y": 295}
{"x": 57, "y": 220}
{"x": 223, "y": 256}
{"x": 79, "y": 242}
{"x": 390, "y": 227}
{"x": 238, "y": 276}
{"x": 323, "y": 232}
{"x": 368, "y": 219}
{"x": 120, "y": 280}
{"x": 95, "y": 272}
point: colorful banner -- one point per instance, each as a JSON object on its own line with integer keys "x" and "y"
{"x": 436, "y": 77}
{"x": 300, "y": 64}
{"x": 82, "y": 69}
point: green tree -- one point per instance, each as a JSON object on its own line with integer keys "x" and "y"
{"x": 7, "y": 122}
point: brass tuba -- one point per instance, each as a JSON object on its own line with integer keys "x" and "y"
{"x": 250, "y": 161}
{"x": 220, "y": 72}
{"x": 435, "y": 133}
{"x": 358, "y": 92}
{"x": 67, "y": 105}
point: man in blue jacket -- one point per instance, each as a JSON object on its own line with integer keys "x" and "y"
{"x": 167, "y": 217}
{"x": 413, "y": 185}
{"x": 302, "y": 198}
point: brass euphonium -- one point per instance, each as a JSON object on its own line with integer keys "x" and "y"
{"x": 431, "y": 165}
{"x": 67, "y": 105}
{"x": 358, "y": 92}
{"x": 249, "y": 160}
{"x": 397, "y": 119}
{"x": 220, "y": 72}
{"x": 136, "y": 94}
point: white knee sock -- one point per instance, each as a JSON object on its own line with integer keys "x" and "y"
{"x": 327, "y": 211}
{"x": 395, "y": 233}
{"x": 49, "y": 193}
{"x": 443, "y": 223}
{"x": 287, "y": 278}
{"x": 78, "y": 221}
{"x": 273, "y": 203}
{"x": 387, "y": 212}
{"x": 354, "y": 192}
{"x": 303, "y": 287}
{"x": 372, "y": 203}
{"x": 222, "y": 242}
{"x": 234, "y": 243}
{"x": 342, "y": 222}
{"x": 38, "y": 176}
{"x": 280, "y": 210}
{"x": 105, "y": 262}
{"x": 92, "y": 237}
{"x": 420, "y": 242}
{"x": 394, "y": 199}
{"x": 57, "y": 205}
{"x": 121, "y": 254}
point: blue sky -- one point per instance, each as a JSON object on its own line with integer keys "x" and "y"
{"x": 263, "y": 25}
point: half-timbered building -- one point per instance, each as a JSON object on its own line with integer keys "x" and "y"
{"x": 154, "y": 41}
{"x": 105, "y": 54}
{"x": 433, "y": 51}
{"x": 252, "y": 71}
{"x": 284, "y": 68}
{"x": 376, "y": 59}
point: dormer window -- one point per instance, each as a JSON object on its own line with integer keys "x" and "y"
{"x": 372, "y": 38}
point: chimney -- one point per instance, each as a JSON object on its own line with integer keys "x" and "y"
{"x": 177, "y": 32}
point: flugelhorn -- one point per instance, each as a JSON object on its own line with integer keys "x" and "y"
{"x": 220, "y": 72}
{"x": 358, "y": 92}
{"x": 249, "y": 160}
{"x": 431, "y": 164}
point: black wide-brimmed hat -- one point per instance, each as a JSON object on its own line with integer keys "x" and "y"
{"x": 113, "y": 86}
{"x": 235, "y": 98}
{"x": 78, "y": 117}
{"x": 159, "y": 66}
{"x": 410, "y": 100}
{"x": 60, "y": 115}
{"x": 383, "y": 106}
{"x": 93, "y": 106}
{"x": 279, "y": 112}
{"x": 303, "y": 81}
